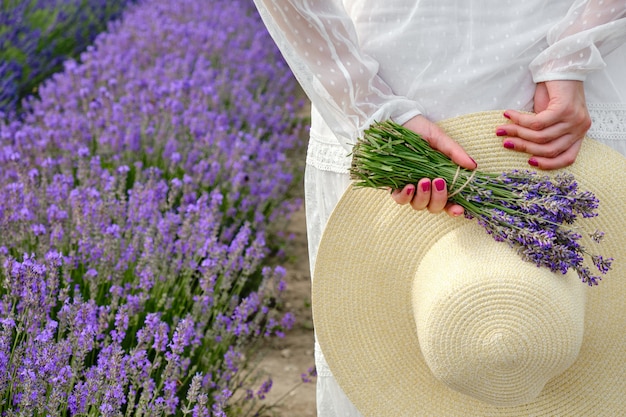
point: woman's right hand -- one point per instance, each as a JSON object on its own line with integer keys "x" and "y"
{"x": 427, "y": 194}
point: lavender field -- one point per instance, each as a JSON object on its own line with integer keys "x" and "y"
{"x": 142, "y": 199}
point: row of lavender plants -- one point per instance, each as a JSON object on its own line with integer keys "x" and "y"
{"x": 139, "y": 201}
{"x": 36, "y": 36}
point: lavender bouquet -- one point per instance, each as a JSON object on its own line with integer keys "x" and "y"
{"x": 528, "y": 211}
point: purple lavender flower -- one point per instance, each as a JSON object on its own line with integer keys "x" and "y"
{"x": 308, "y": 376}
{"x": 264, "y": 389}
{"x": 533, "y": 211}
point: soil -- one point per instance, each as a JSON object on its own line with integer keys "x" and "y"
{"x": 287, "y": 358}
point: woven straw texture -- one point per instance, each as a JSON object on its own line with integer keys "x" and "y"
{"x": 362, "y": 294}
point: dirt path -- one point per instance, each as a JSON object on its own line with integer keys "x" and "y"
{"x": 285, "y": 359}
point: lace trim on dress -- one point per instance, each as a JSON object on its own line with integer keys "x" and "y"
{"x": 327, "y": 157}
{"x": 608, "y": 121}
{"x": 608, "y": 124}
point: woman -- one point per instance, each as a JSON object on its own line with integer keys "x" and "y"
{"x": 418, "y": 62}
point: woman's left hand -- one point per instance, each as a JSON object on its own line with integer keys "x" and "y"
{"x": 552, "y": 135}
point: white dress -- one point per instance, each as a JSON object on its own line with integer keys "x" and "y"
{"x": 361, "y": 61}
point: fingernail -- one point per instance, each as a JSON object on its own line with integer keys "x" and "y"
{"x": 501, "y": 132}
{"x": 439, "y": 184}
{"x": 475, "y": 163}
{"x": 506, "y": 114}
{"x": 409, "y": 190}
{"x": 508, "y": 145}
{"x": 533, "y": 162}
{"x": 426, "y": 186}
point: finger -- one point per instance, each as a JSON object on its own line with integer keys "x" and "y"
{"x": 403, "y": 196}
{"x": 439, "y": 140}
{"x": 452, "y": 150}
{"x": 546, "y": 150}
{"x": 438, "y": 196}
{"x": 422, "y": 194}
{"x": 454, "y": 210}
{"x": 546, "y": 135}
{"x": 563, "y": 160}
{"x": 534, "y": 121}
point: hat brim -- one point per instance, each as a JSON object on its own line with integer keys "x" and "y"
{"x": 368, "y": 255}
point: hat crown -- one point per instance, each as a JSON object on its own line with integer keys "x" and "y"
{"x": 490, "y": 326}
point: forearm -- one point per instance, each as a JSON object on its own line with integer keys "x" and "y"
{"x": 577, "y": 44}
{"x": 319, "y": 42}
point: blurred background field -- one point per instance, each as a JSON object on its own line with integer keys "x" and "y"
{"x": 36, "y": 36}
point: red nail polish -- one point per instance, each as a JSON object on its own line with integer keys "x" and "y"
{"x": 439, "y": 184}
{"x": 409, "y": 190}
{"x": 501, "y": 132}
{"x": 506, "y": 114}
{"x": 533, "y": 162}
{"x": 426, "y": 186}
{"x": 508, "y": 145}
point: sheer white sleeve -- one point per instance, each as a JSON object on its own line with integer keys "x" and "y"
{"x": 320, "y": 44}
{"x": 577, "y": 44}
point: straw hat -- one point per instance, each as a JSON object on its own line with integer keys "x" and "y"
{"x": 426, "y": 315}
